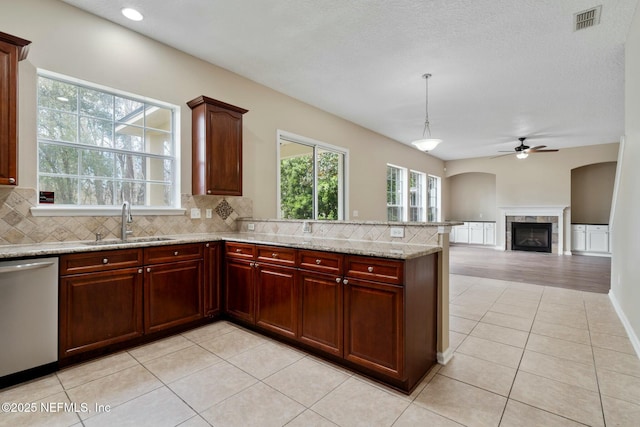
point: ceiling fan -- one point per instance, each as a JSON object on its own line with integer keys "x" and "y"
{"x": 522, "y": 151}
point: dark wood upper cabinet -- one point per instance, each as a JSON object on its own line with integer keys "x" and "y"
{"x": 217, "y": 147}
{"x": 12, "y": 50}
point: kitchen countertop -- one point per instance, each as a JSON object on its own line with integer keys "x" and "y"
{"x": 355, "y": 247}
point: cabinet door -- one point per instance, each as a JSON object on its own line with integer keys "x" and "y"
{"x": 578, "y": 240}
{"x": 277, "y": 299}
{"x": 217, "y": 147}
{"x": 212, "y": 301}
{"x": 462, "y": 234}
{"x": 239, "y": 289}
{"x": 373, "y": 326}
{"x": 597, "y": 241}
{"x": 321, "y": 315}
{"x": 99, "y": 309}
{"x": 476, "y": 233}
{"x": 489, "y": 233}
{"x": 172, "y": 295}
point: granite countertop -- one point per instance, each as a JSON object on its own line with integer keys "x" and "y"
{"x": 356, "y": 247}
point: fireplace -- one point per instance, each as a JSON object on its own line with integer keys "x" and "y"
{"x": 531, "y": 236}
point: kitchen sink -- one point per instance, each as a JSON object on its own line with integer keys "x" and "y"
{"x": 130, "y": 240}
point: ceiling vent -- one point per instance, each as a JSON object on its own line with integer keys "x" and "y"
{"x": 587, "y": 18}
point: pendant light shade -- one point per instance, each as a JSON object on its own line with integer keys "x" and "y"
{"x": 426, "y": 143}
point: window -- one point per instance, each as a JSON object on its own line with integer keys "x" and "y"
{"x": 434, "y": 195}
{"x": 396, "y": 190}
{"x": 312, "y": 179}
{"x": 100, "y": 147}
{"x": 417, "y": 196}
{"x": 417, "y": 200}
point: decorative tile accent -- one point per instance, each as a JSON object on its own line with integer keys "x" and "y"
{"x": 18, "y": 226}
{"x": 224, "y": 209}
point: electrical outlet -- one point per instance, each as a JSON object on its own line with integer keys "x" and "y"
{"x": 251, "y": 227}
{"x": 396, "y": 232}
{"x": 195, "y": 213}
{"x": 208, "y": 213}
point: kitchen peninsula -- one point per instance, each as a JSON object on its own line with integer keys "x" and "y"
{"x": 370, "y": 303}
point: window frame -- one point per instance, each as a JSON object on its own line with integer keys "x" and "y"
{"x": 110, "y": 210}
{"x": 402, "y": 193}
{"x": 343, "y": 208}
{"x": 421, "y": 195}
{"x": 438, "y": 198}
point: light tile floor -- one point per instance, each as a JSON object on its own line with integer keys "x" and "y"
{"x": 525, "y": 355}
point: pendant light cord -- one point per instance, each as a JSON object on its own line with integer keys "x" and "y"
{"x": 426, "y": 106}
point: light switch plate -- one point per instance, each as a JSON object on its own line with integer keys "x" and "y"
{"x": 208, "y": 213}
{"x": 195, "y": 213}
{"x": 396, "y": 232}
{"x": 251, "y": 227}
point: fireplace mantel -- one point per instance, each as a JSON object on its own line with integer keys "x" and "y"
{"x": 545, "y": 210}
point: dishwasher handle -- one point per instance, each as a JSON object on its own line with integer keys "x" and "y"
{"x": 25, "y": 267}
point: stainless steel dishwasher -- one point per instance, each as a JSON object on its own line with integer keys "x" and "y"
{"x": 28, "y": 318}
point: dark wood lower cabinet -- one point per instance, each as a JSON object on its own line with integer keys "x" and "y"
{"x": 239, "y": 290}
{"x": 212, "y": 297}
{"x": 277, "y": 299}
{"x": 173, "y": 295}
{"x": 373, "y": 326}
{"x": 320, "y": 318}
{"x": 99, "y": 309}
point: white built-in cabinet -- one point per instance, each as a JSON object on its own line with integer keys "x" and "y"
{"x": 590, "y": 238}
{"x": 475, "y": 233}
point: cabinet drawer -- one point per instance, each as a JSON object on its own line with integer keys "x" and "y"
{"x": 376, "y": 269}
{"x": 240, "y": 250}
{"x": 171, "y": 253}
{"x": 601, "y": 228}
{"x": 99, "y": 261}
{"x": 276, "y": 255}
{"x": 326, "y": 262}
{"x": 578, "y": 227}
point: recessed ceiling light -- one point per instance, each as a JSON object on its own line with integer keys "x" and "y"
{"x": 132, "y": 14}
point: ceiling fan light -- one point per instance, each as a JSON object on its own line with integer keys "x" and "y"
{"x": 522, "y": 155}
{"x": 426, "y": 144}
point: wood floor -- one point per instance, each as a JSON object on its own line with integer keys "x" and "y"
{"x": 585, "y": 273}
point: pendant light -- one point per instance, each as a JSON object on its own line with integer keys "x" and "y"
{"x": 426, "y": 143}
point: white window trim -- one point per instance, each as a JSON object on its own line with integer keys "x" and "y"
{"x": 438, "y": 199}
{"x": 404, "y": 203}
{"x": 289, "y": 136}
{"x": 84, "y": 210}
{"x": 423, "y": 199}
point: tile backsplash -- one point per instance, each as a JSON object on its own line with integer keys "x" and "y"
{"x": 19, "y": 226}
{"x": 418, "y": 233}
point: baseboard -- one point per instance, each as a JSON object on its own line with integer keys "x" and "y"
{"x": 444, "y": 357}
{"x": 635, "y": 342}
{"x": 602, "y": 254}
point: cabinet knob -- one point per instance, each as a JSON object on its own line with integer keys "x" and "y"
{"x": 208, "y": 191}
{"x": 337, "y": 280}
{"x": 256, "y": 265}
{"x": 252, "y": 264}
{"x": 139, "y": 271}
{"x": 318, "y": 261}
{"x": 345, "y": 281}
{"x": 370, "y": 269}
{"x": 238, "y": 250}
{"x": 206, "y": 245}
{"x": 148, "y": 269}
{"x": 12, "y": 180}
{"x": 176, "y": 253}
{"x": 105, "y": 260}
{"x": 274, "y": 255}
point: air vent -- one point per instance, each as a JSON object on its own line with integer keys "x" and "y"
{"x": 587, "y": 18}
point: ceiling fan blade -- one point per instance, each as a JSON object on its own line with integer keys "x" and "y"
{"x": 543, "y": 151}
{"x": 535, "y": 148}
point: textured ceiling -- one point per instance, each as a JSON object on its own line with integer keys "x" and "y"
{"x": 501, "y": 68}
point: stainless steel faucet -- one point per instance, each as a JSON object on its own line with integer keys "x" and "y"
{"x": 126, "y": 219}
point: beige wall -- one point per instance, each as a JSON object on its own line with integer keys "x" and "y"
{"x": 69, "y": 41}
{"x": 591, "y": 193}
{"x": 625, "y": 269}
{"x": 472, "y": 197}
